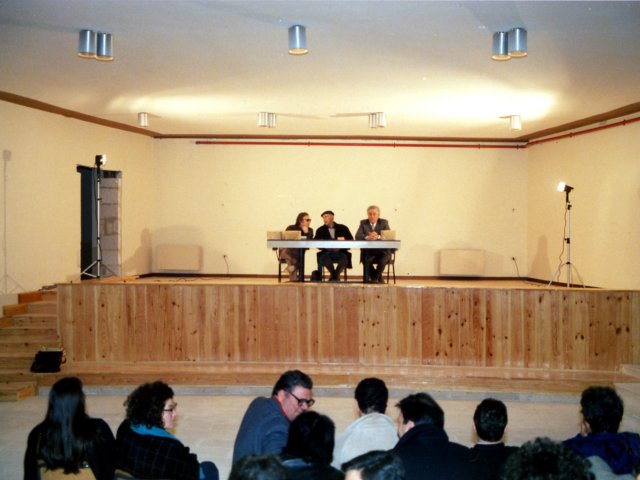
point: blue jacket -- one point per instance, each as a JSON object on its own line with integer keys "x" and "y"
{"x": 620, "y": 450}
{"x": 264, "y": 429}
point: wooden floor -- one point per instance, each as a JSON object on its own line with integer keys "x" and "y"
{"x": 513, "y": 337}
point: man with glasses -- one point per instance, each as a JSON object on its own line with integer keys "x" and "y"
{"x": 265, "y": 426}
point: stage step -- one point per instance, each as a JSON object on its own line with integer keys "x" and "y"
{"x": 342, "y": 379}
{"x": 35, "y": 320}
{"x": 13, "y": 391}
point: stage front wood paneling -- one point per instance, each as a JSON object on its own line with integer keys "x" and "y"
{"x": 545, "y": 328}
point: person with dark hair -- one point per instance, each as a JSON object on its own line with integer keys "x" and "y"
{"x": 544, "y": 459}
{"x": 303, "y": 225}
{"x": 267, "y": 467}
{"x": 488, "y": 455}
{"x": 309, "y": 448}
{"x": 265, "y": 426}
{"x": 145, "y": 447}
{"x": 424, "y": 446}
{"x": 374, "y": 465}
{"x": 68, "y": 439}
{"x": 602, "y": 411}
{"x": 373, "y": 430}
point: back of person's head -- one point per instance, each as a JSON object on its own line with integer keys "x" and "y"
{"x": 602, "y": 409}
{"x": 146, "y": 403}
{"x": 377, "y": 465}
{"x": 311, "y": 438}
{"x": 421, "y": 409}
{"x": 268, "y": 467}
{"x": 490, "y": 419}
{"x": 544, "y": 459}
{"x": 291, "y": 379}
{"x": 372, "y": 395}
{"x": 64, "y": 432}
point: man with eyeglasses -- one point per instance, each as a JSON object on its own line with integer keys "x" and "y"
{"x": 264, "y": 428}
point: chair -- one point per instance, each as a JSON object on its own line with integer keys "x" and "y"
{"x": 85, "y": 473}
{"x": 282, "y": 264}
{"x": 391, "y": 266}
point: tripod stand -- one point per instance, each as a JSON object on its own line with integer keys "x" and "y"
{"x": 567, "y": 189}
{"x": 97, "y": 263}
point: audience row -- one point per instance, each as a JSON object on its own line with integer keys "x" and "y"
{"x": 281, "y": 438}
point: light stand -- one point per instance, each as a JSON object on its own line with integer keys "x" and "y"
{"x": 563, "y": 187}
{"x": 100, "y": 160}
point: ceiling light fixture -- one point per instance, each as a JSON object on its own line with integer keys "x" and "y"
{"x": 298, "y": 40}
{"x": 511, "y": 44}
{"x": 267, "y": 119}
{"x": 377, "y": 120}
{"x": 518, "y": 42}
{"x": 500, "y": 46}
{"x": 515, "y": 122}
{"x": 143, "y": 119}
{"x": 104, "y": 52}
{"x": 87, "y": 44}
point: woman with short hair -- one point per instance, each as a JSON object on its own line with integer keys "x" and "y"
{"x": 146, "y": 449}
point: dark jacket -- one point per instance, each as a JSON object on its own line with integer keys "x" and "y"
{"x": 264, "y": 429}
{"x": 427, "y": 454}
{"x": 150, "y": 456}
{"x": 487, "y": 460}
{"x": 620, "y": 450}
{"x": 298, "y": 469}
{"x": 341, "y": 231}
{"x": 100, "y": 451}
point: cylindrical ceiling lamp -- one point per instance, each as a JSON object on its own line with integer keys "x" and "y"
{"x": 500, "y": 46}
{"x": 143, "y": 119}
{"x": 377, "y": 120}
{"x": 87, "y": 44}
{"x": 518, "y": 42}
{"x": 515, "y": 122}
{"x": 298, "y": 40}
{"x": 104, "y": 51}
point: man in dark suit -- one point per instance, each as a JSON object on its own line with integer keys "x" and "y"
{"x": 370, "y": 229}
{"x": 327, "y": 257}
{"x": 489, "y": 455}
{"x": 424, "y": 446}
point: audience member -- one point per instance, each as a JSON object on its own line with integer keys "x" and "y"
{"x": 265, "y": 425}
{"x": 328, "y": 256}
{"x": 602, "y": 471}
{"x": 544, "y": 459}
{"x": 374, "y": 465}
{"x": 373, "y": 430}
{"x": 488, "y": 455}
{"x": 424, "y": 446}
{"x": 369, "y": 229}
{"x": 145, "y": 447}
{"x": 302, "y": 225}
{"x": 68, "y": 439}
{"x": 602, "y": 411}
{"x": 266, "y": 467}
{"x": 309, "y": 448}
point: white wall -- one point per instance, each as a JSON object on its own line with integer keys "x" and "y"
{"x": 227, "y": 197}
{"x": 604, "y": 169}
{"x": 41, "y": 152}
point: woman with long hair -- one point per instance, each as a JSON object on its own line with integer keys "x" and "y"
{"x": 68, "y": 439}
{"x": 303, "y": 225}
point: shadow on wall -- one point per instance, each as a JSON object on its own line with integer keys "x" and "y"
{"x": 139, "y": 262}
{"x": 540, "y": 266}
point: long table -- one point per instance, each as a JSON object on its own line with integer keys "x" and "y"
{"x": 301, "y": 245}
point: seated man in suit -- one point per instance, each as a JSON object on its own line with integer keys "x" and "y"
{"x": 370, "y": 229}
{"x": 326, "y": 257}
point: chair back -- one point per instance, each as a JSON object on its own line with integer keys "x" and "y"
{"x": 85, "y": 473}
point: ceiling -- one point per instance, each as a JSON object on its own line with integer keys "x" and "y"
{"x": 206, "y": 68}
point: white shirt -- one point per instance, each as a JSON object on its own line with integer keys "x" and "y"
{"x": 373, "y": 431}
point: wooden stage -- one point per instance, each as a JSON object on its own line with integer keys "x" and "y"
{"x": 510, "y": 336}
